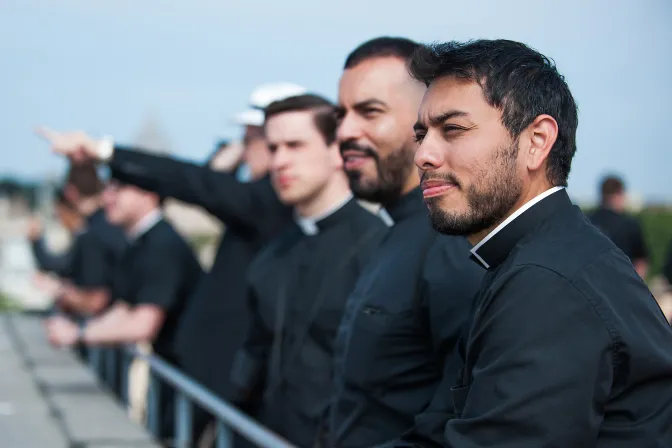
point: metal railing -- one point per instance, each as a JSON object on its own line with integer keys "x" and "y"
{"x": 105, "y": 363}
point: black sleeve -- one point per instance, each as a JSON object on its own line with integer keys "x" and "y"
{"x": 59, "y": 264}
{"x": 162, "y": 277}
{"x": 91, "y": 263}
{"x": 667, "y": 269}
{"x": 450, "y": 283}
{"x": 542, "y": 360}
{"x": 236, "y": 203}
{"x": 639, "y": 249}
{"x": 251, "y": 360}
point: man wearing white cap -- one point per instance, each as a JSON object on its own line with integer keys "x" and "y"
{"x": 215, "y": 319}
{"x": 255, "y": 157}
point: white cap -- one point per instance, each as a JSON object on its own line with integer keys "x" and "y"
{"x": 264, "y": 95}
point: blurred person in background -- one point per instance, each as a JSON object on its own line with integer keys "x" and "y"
{"x": 565, "y": 345}
{"x": 623, "y": 230}
{"x": 299, "y": 284}
{"x": 665, "y": 298}
{"x": 152, "y": 283}
{"x": 96, "y": 249}
{"x": 227, "y": 157}
{"x": 406, "y": 312}
{"x": 72, "y": 221}
{"x": 217, "y": 318}
{"x": 667, "y": 268}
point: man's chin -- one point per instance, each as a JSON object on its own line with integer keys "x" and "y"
{"x": 367, "y": 191}
{"x": 448, "y": 223}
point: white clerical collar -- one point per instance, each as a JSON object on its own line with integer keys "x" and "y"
{"x": 309, "y": 224}
{"x": 145, "y": 224}
{"x": 385, "y": 216}
{"x": 507, "y": 221}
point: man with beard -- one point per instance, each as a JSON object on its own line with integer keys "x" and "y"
{"x": 566, "y": 346}
{"x": 299, "y": 284}
{"x": 406, "y": 312}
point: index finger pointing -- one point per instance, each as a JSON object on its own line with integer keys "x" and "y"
{"x": 46, "y": 133}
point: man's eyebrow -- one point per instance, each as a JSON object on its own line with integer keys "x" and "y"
{"x": 437, "y": 120}
{"x": 368, "y": 103}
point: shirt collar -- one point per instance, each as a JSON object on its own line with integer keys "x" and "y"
{"x": 98, "y": 215}
{"x": 311, "y": 225}
{"x": 497, "y": 245}
{"x": 406, "y": 206}
{"x": 145, "y": 224}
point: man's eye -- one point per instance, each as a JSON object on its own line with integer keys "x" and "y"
{"x": 419, "y": 136}
{"x": 452, "y": 128}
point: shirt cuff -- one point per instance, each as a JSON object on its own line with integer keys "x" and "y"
{"x": 105, "y": 149}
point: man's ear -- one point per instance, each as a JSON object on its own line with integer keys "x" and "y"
{"x": 541, "y": 135}
{"x": 335, "y": 154}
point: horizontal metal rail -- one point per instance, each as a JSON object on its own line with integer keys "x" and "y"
{"x": 104, "y": 362}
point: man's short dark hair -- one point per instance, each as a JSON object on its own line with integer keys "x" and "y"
{"x": 610, "y": 186}
{"x": 84, "y": 178}
{"x": 382, "y": 47}
{"x": 519, "y": 81}
{"x": 323, "y": 110}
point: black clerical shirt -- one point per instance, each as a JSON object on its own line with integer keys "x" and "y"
{"x": 95, "y": 253}
{"x": 566, "y": 346}
{"x": 159, "y": 268}
{"x": 394, "y": 352}
{"x": 56, "y": 263}
{"x": 298, "y": 287}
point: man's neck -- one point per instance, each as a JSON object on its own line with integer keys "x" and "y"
{"x": 612, "y": 207}
{"x": 89, "y": 206}
{"x": 334, "y": 193}
{"x": 146, "y": 221}
{"x": 412, "y": 182}
{"x": 532, "y": 192}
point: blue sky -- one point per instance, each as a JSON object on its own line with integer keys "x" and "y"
{"x": 104, "y": 66}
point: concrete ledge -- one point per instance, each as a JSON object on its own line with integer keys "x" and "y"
{"x": 49, "y": 399}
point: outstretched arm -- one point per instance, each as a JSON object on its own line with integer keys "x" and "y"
{"x": 235, "y": 203}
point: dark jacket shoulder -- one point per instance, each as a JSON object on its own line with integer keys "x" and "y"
{"x": 564, "y": 244}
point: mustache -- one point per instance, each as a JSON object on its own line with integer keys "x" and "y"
{"x": 354, "y": 146}
{"x": 441, "y": 177}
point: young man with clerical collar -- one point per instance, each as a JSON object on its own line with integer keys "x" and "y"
{"x": 566, "y": 346}
{"x": 299, "y": 284}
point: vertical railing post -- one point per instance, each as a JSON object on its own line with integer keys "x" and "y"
{"x": 224, "y": 435}
{"x": 95, "y": 360}
{"x": 111, "y": 368}
{"x": 154, "y": 405}
{"x": 183, "y": 421}
{"x": 125, "y": 364}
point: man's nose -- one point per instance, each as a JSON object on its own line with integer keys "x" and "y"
{"x": 429, "y": 156}
{"x": 349, "y": 128}
{"x": 279, "y": 159}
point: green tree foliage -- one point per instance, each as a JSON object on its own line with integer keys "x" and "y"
{"x": 657, "y": 225}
